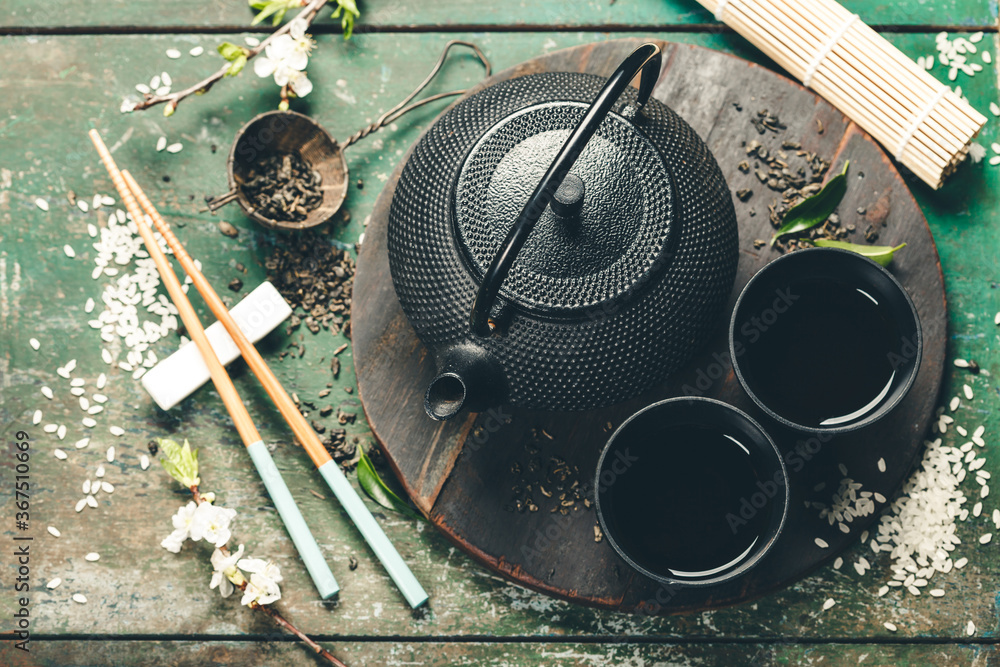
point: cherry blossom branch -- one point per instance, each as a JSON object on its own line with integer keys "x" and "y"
{"x": 308, "y": 14}
{"x": 279, "y": 620}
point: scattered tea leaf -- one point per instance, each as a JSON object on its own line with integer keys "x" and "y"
{"x": 378, "y": 491}
{"x": 880, "y": 253}
{"x": 814, "y": 210}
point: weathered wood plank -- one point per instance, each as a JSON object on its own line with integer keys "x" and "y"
{"x": 443, "y": 13}
{"x": 139, "y": 588}
{"x": 400, "y": 653}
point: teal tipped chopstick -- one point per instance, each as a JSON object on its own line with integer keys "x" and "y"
{"x": 370, "y": 529}
{"x": 306, "y": 544}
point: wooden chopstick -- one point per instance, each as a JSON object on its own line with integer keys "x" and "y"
{"x": 328, "y": 468}
{"x": 289, "y": 512}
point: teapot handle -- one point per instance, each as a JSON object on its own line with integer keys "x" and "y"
{"x": 645, "y": 59}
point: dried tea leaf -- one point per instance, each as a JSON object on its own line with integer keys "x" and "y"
{"x": 814, "y": 210}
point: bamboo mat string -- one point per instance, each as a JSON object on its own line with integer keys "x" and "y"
{"x": 827, "y": 48}
{"x": 917, "y": 122}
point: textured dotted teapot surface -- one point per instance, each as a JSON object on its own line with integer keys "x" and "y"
{"x": 578, "y": 261}
{"x": 578, "y": 332}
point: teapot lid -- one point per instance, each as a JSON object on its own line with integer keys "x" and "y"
{"x": 608, "y": 226}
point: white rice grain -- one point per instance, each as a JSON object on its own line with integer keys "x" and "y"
{"x": 60, "y": 454}
{"x": 33, "y": 342}
{"x": 173, "y": 54}
{"x": 891, "y": 627}
{"x": 92, "y": 557}
{"x": 144, "y": 463}
{"x": 80, "y": 444}
{"x": 80, "y": 598}
{"x": 80, "y": 504}
{"x": 967, "y": 390}
{"x": 37, "y": 417}
{"x": 42, "y": 204}
{"x": 68, "y": 249}
{"x": 117, "y": 431}
{"x": 829, "y": 603}
{"x": 53, "y": 583}
{"x": 53, "y": 531}
{"x": 46, "y": 392}
{"x": 111, "y": 454}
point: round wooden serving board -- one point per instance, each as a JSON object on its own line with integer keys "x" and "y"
{"x": 459, "y": 473}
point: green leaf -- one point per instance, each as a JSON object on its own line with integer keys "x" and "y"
{"x": 269, "y": 9}
{"x": 179, "y": 461}
{"x": 378, "y": 491}
{"x": 347, "y": 11}
{"x": 231, "y": 51}
{"x": 880, "y": 253}
{"x": 814, "y": 210}
{"x": 258, "y": 4}
{"x": 237, "y": 66}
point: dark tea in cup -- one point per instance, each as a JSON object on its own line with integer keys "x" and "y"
{"x": 692, "y": 491}
{"x": 825, "y": 340}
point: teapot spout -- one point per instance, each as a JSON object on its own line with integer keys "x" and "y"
{"x": 467, "y": 378}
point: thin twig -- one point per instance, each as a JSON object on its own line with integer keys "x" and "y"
{"x": 319, "y": 650}
{"x": 309, "y": 14}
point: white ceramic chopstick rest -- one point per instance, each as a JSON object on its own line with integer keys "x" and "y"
{"x": 178, "y": 376}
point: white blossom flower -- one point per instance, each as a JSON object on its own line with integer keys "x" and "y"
{"x": 297, "y": 81}
{"x": 290, "y": 50}
{"x": 263, "y": 585}
{"x": 258, "y": 566}
{"x": 224, "y": 567}
{"x": 182, "y": 521}
{"x": 286, "y": 58}
{"x": 211, "y": 523}
{"x": 174, "y": 540}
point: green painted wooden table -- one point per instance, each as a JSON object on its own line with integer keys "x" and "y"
{"x": 65, "y": 68}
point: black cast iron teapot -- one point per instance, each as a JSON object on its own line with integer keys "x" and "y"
{"x": 560, "y": 241}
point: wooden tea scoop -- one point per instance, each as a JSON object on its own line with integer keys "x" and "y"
{"x": 289, "y": 512}
{"x": 328, "y": 468}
